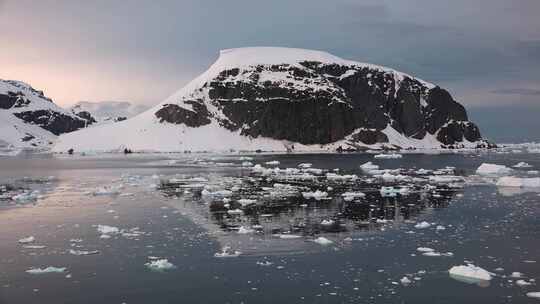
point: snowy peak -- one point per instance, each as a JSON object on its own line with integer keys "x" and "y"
{"x": 30, "y": 119}
{"x": 106, "y": 111}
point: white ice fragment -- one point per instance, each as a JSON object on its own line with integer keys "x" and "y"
{"x": 522, "y": 165}
{"x": 323, "y": 241}
{"x": 469, "y": 273}
{"x": 388, "y": 156}
{"x": 50, "y": 269}
{"x": 83, "y": 252}
{"x": 517, "y": 182}
{"x": 425, "y": 249}
{"x": 27, "y": 240}
{"x": 318, "y": 195}
{"x": 534, "y": 294}
{"x": 523, "y": 283}
{"x": 369, "y": 166}
{"x": 104, "y": 229}
{"x": 160, "y": 265}
{"x": 422, "y": 225}
{"x": 272, "y": 163}
{"x": 486, "y": 169}
{"x": 245, "y": 230}
{"x": 227, "y": 253}
{"x": 305, "y": 165}
{"x": 405, "y": 281}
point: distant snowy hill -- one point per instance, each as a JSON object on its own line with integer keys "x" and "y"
{"x": 106, "y": 111}
{"x": 278, "y": 99}
{"x": 28, "y": 119}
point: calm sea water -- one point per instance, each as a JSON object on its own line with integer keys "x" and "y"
{"x": 374, "y": 240}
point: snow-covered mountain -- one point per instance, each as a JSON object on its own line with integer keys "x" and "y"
{"x": 106, "y": 111}
{"x": 278, "y": 99}
{"x": 29, "y": 119}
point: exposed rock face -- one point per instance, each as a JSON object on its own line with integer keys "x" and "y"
{"x": 312, "y": 102}
{"x": 54, "y": 122}
{"x": 29, "y": 118}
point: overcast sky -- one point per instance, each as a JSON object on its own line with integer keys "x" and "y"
{"x": 486, "y": 52}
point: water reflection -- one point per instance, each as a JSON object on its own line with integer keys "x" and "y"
{"x": 266, "y": 208}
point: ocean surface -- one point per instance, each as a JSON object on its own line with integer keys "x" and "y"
{"x": 207, "y": 228}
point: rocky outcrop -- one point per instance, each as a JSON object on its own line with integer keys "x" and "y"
{"x": 54, "y": 122}
{"x": 30, "y": 118}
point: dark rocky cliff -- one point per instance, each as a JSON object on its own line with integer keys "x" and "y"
{"x": 321, "y": 103}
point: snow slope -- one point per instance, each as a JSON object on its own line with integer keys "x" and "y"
{"x": 146, "y": 132}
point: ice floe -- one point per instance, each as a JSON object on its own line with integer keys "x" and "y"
{"x": 388, "y": 156}
{"x": 160, "y": 265}
{"x": 50, "y": 269}
{"x": 486, "y": 169}
{"x": 469, "y": 273}
{"x": 323, "y": 241}
{"x": 519, "y": 182}
{"x": 26, "y": 240}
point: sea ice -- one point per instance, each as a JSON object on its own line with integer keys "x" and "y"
{"x": 518, "y": 182}
{"x": 486, "y": 169}
{"x": 422, "y": 225}
{"x": 323, "y": 241}
{"x": 160, "y": 265}
{"x": 522, "y": 165}
{"x": 27, "y": 240}
{"x": 50, "y": 269}
{"x": 388, "y": 156}
{"x": 469, "y": 273}
{"x": 318, "y": 195}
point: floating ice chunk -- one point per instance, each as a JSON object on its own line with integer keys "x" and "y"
{"x": 106, "y": 191}
{"x": 235, "y": 212}
{"x": 318, "y": 195}
{"x": 405, "y": 281}
{"x": 34, "y": 246}
{"x": 523, "y": 283}
{"x": 27, "y": 240}
{"x": 369, "y": 166}
{"x": 265, "y": 263}
{"x": 388, "y": 156}
{"x": 245, "y": 230}
{"x": 327, "y": 222}
{"x": 516, "y": 274}
{"x": 50, "y": 269}
{"x": 350, "y": 196}
{"x": 104, "y": 229}
{"x": 272, "y": 163}
{"x": 305, "y": 165}
{"x": 422, "y": 225}
{"x": 246, "y": 202}
{"x": 517, "y": 182}
{"x": 160, "y": 265}
{"x": 323, "y": 241}
{"x": 338, "y": 177}
{"x": 493, "y": 170}
{"x": 522, "y": 165}
{"x": 425, "y": 249}
{"x": 440, "y": 227}
{"x": 534, "y": 294}
{"x": 247, "y": 164}
{"x": 469, "y": 273}
{"x": 83, "y": 252}
{"x": 288, "y": 236}
{"x": 26, "y": 196}
{"x": 227, "y": 253}
{"x": 244, "y": 158}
